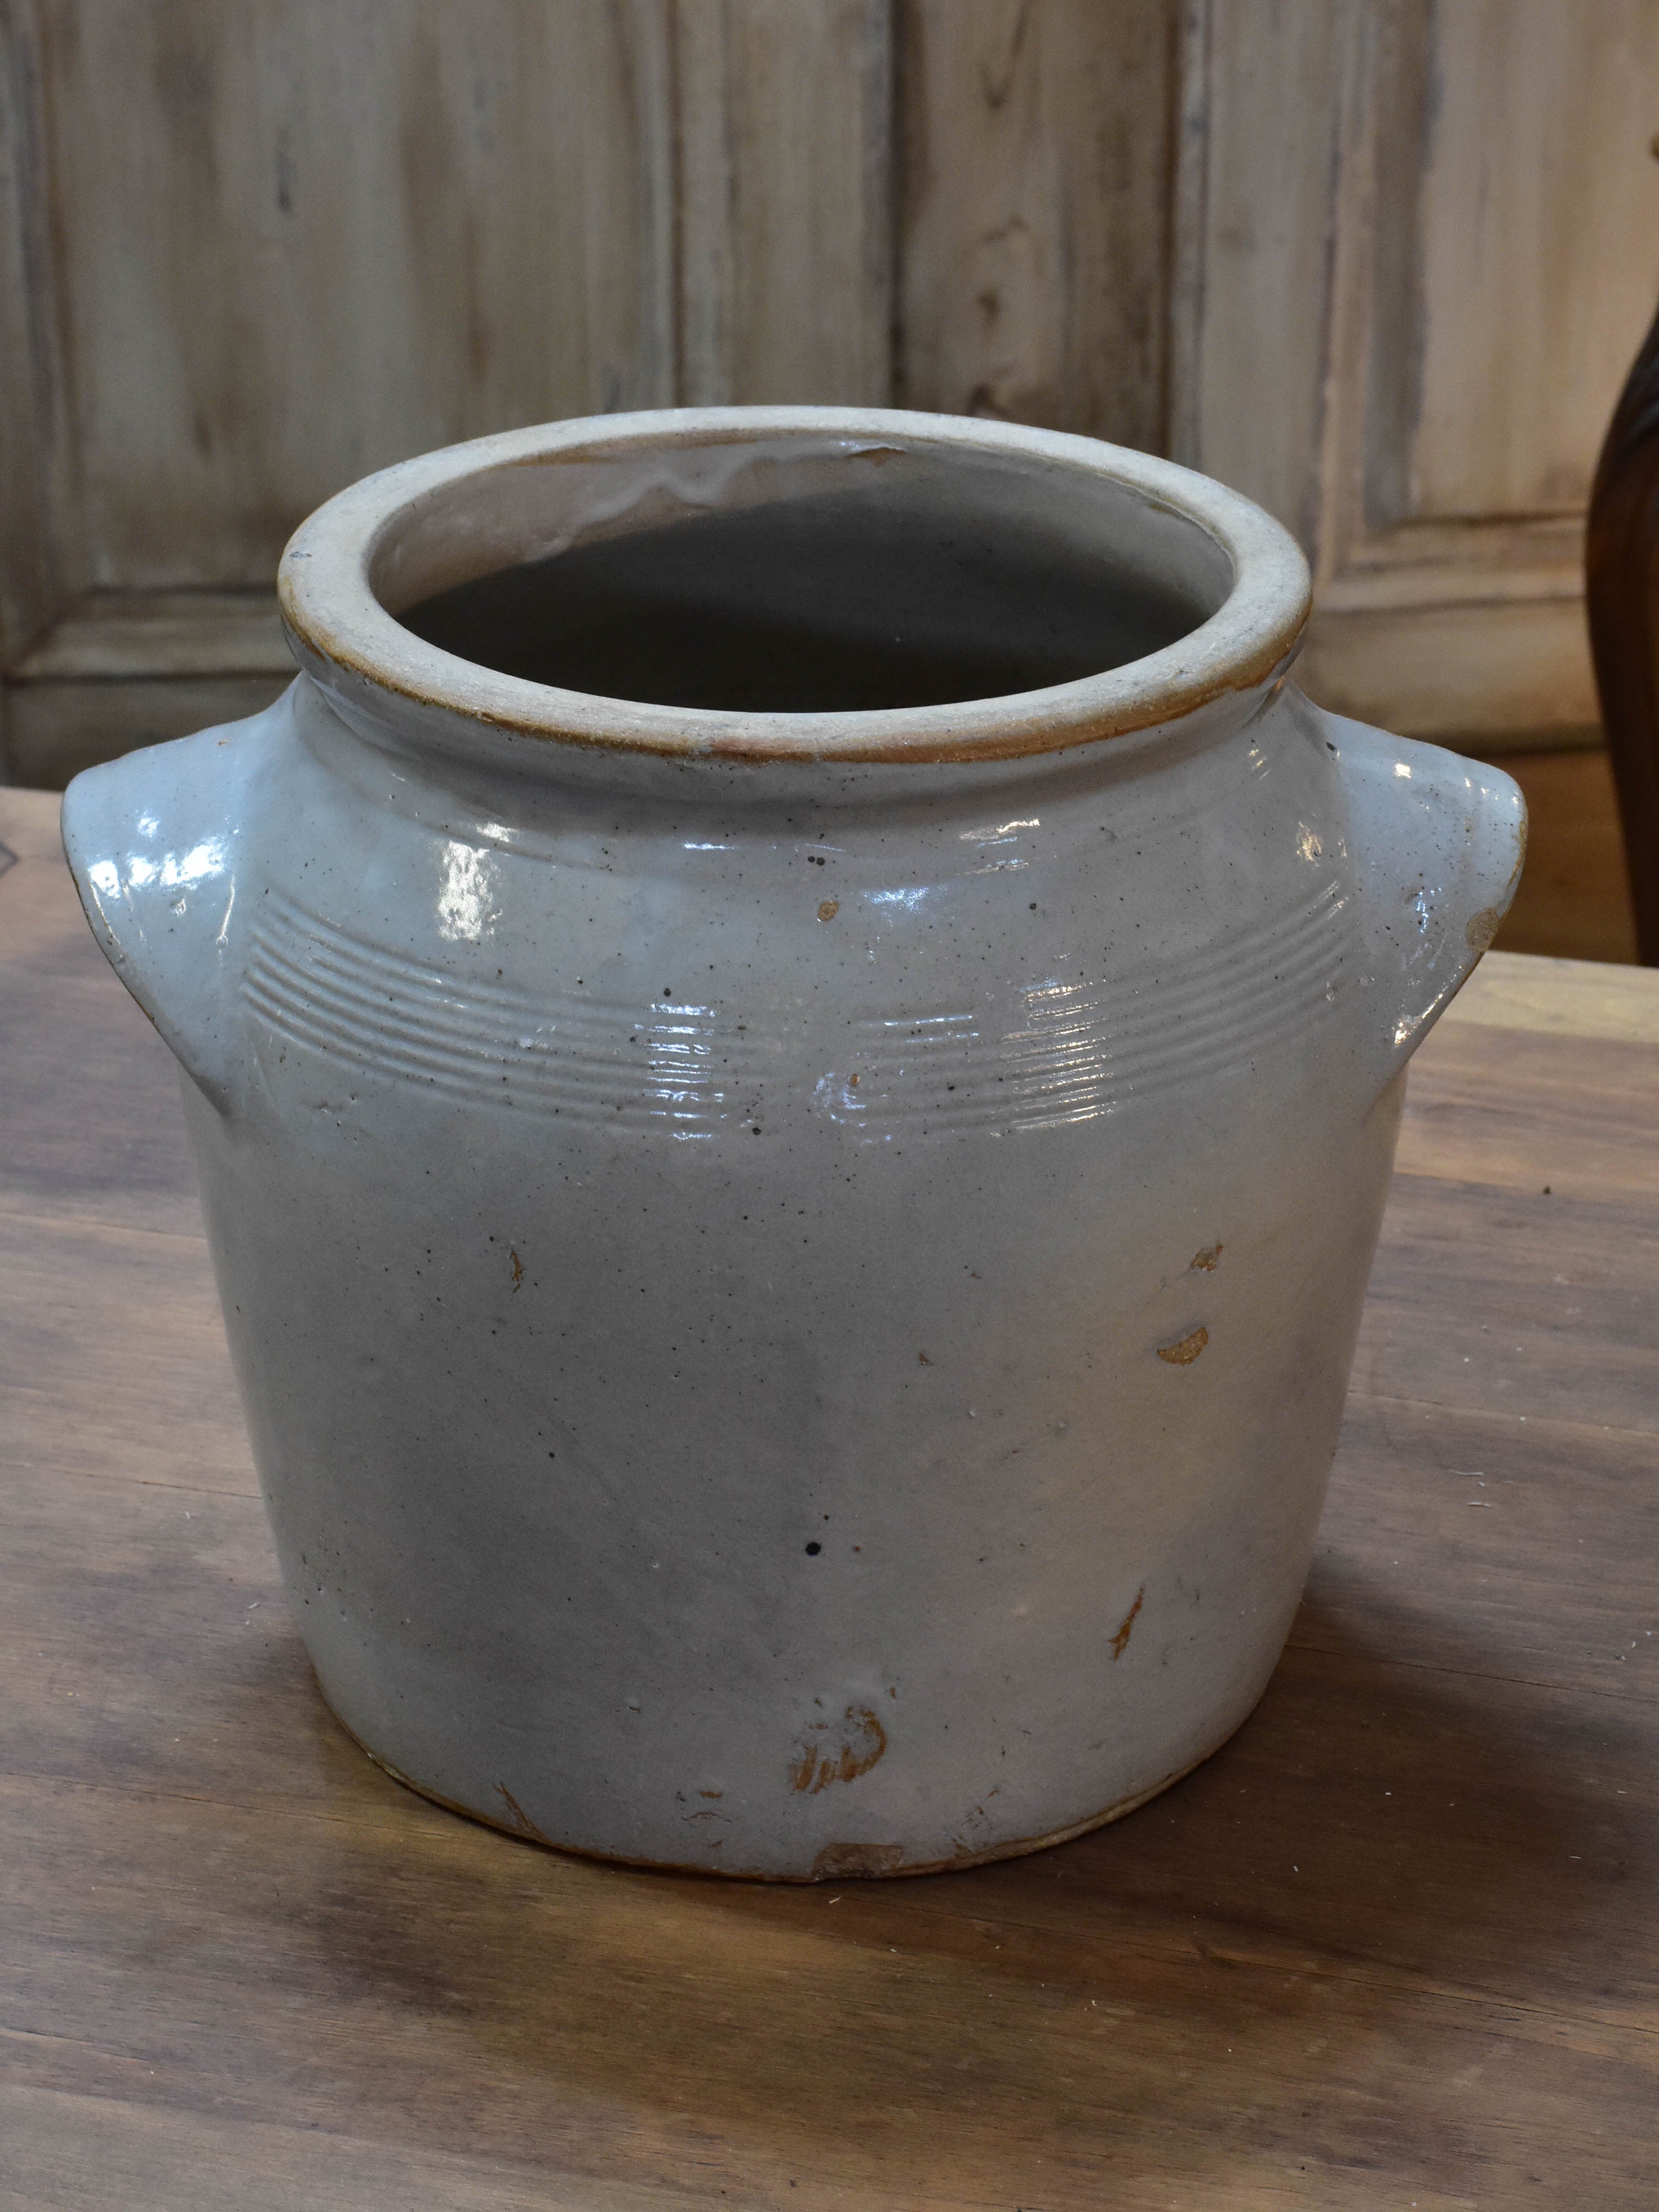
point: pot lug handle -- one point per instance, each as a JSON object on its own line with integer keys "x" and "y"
{"x": 1439, "y": 843}
{"x": 153, "y": 841}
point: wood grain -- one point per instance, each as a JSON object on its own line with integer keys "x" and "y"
{"x": 1519, "y": 667}
{"x": 1538, "y": 1113}
{"x": 296, "y": 241}
{"x": 1566, "y": 1328}
{"x": 33, "y": 431}
{"x": 1522, "y": 352}
{"x": 784, "y": 126}
{"x": 1457, "y": 423}
{"x": 1034, "y": 212}
{"x": 56, "y": 729}
{"x": 84, "y": 1045}
{"x": 109, "y": 635}
{"x": 1378, "y": 264}
{"x": 1574, "y": 899}
{"x": 1559, "y": 998}
{"x": 1256, "y": 291}
{"x": 105, "y": 677}
{"x": 1397, "y": 1943}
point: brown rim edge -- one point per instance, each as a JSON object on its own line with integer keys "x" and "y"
{"x": 348, "y": 642}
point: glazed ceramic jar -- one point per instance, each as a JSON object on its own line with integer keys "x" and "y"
{"x": 792, "y": 1037}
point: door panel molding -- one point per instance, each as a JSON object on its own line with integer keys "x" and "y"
{"x": 1371, "y": 262}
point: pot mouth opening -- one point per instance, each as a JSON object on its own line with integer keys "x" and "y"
{"x": 790, "y": 583}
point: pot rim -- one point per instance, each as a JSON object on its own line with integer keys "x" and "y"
{"x": 346, "y": 639}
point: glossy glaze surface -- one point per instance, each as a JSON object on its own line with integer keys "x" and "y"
{"x": 793, "y": 1310}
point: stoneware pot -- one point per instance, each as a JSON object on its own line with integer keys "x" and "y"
{"x": 792, "y": 1037}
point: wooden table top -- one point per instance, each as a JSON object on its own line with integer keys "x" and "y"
{"x": 1396, "y": 1945}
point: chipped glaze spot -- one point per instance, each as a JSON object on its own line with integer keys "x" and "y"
{"x": 837, "y": 1751}
{"x": 517, "y": 1818}
{"x": 1183, "y": 1353}
{"x": 846, "y": 1862}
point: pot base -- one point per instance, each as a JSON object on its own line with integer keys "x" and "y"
{"x": 846, "y": 1866}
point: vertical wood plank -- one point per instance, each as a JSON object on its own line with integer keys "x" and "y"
{"x": 784, "y": 130}
{"x": 1035, "y": 241}
{"x": 33, "y": 441}
{"x": 1188, "y": 199}
{"x": 1264, "y": 136}
{"x": 301, "y": 238}
{"x": 1537, "y": 231}
{"x": 1380, "y": 393}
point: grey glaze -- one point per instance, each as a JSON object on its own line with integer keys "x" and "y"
{"x": 793, "y": 1275}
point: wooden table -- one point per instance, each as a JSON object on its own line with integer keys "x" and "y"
{"x": 1396, "y": 1946}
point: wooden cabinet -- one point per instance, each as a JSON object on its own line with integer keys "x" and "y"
{"x": 1381, "y": 264}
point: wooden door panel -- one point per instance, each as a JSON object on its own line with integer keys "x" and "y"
{"x": 297, "y": 240}
{"x": 1377, "y": 263}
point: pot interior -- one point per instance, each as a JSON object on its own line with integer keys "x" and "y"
{"x": 799, "y": 576}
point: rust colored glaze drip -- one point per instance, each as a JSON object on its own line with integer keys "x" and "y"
{"x": 1621, "y": 581}
{"x": 1184, "y": 1353}
{"x": 838, "y": 1754}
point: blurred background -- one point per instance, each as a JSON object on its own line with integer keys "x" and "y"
{"x": 1381, "y": 264}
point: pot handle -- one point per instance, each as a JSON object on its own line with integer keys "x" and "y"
{"x": 1439, "y": 842}
{"x": 152, "y": 841}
